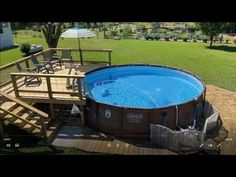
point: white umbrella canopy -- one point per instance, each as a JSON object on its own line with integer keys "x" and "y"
{"x": 77, "y": 32}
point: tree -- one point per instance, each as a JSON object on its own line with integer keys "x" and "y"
{"x": 52, "y": 32}
{"x": 230, "y": 27}
{"x": 126, "y": 31}
{"x": 105, "y": 26}
{"x": 212, "y": 29}
{"x": 155, "y": 27}
{"x": 141, "y": 28}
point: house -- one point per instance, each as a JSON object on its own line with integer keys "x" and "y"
{"x": 6, "y": 39}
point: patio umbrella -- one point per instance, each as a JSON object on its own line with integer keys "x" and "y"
{"x": 77, "y": 32}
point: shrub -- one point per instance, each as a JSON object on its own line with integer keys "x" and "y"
{"x": 126, "y": 31}
{"x": 34, "y": 36}
{"x": 148, "y": 36}
{"x": 141, "y": 28}
{"x": 173, "y": 36}
{"x": 205, "y": 38}
{"x": 161, "y": 30}
{"x": 25, "y": 48}
{"x": 138, "y": 35}
{"x": 113, "y": 32}
{"x": 156, "y": 36}
{"x": 185, "y": 37}
{"x": 179, "y": 36}
{"x": 167, "y": 37}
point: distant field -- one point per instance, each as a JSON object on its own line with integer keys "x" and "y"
{"x": 215, "y": 66}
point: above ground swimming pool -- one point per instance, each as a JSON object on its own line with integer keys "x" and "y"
{"x": 124, "y": 100}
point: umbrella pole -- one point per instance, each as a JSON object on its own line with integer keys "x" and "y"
{"x": 79, "y": 43}
{"x": 80, "y": 53}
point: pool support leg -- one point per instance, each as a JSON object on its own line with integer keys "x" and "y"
{"x": 82, "y": 115}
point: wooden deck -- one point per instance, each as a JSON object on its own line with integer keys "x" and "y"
{"x": 89, "y": 140}
{"x": 60, "y": 94}
{"x": 120, "y": 147}
{"x": 18, "y": 94}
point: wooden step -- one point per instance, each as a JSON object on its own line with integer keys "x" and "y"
{"x": 9, "y": 106}
{"x": 29, "y": 128}
{"x": 13, "y": 107}
{"x": 17, "y": 121}
{"x": 25, "y": 116}
{"x": 25, "y": 105}
{"x": 18, "y": 117}
{"x": 52, "y": 129}
{"x": 18, "y": 110}
{"x": 21, "y": 123}
{"x": 36, "y": 131}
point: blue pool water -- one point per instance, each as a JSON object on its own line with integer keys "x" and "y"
{"x": 142, "y": 86}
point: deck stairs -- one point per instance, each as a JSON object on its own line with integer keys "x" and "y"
{"x": 26, "y": 117}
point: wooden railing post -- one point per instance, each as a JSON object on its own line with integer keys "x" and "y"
{"x": 52, "y": 111}
{"x": 79, "y": 89}
{"x": 43, "y": 128}
{"x": 13, "y": 78}
{"x": 109, "y": 54}
{"x": 49, "y": 87}
{"x": 27, "y": 64}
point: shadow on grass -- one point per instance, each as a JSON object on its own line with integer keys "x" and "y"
{"x": 9, "y": 48}
{"x": 223, "y": 48}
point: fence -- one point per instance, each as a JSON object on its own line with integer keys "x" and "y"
{"x": 186, "y": 138}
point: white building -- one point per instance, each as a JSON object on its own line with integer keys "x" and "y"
{"x": 6, "y": 39}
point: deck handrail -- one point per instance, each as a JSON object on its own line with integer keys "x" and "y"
{"x": 26, "y": 60}
{"x": 109, "y": 51}
{"x": 48, "y": 77}
{"x": 84, "y": 50}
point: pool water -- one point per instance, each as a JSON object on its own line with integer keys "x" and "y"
{"x": 142, "y": 86}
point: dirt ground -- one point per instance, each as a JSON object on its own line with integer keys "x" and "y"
{"x": 225, "y": 102}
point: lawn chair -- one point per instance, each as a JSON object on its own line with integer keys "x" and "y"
{"x": 43, "y": 67}
{"x": 52, "y": 60}
{"x": 66, "y": 57}
{"x": 29, "y": 79}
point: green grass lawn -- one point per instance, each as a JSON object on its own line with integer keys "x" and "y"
{"x": 214, "y": 66}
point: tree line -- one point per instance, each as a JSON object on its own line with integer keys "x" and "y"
{"x": 52, "y": 31}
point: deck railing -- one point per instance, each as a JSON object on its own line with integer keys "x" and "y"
{"x": 89, "y": 55}
{"x": 50, "y": 87}
{"x": 78, "y": 55}
{"x": 25, "y": 62}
